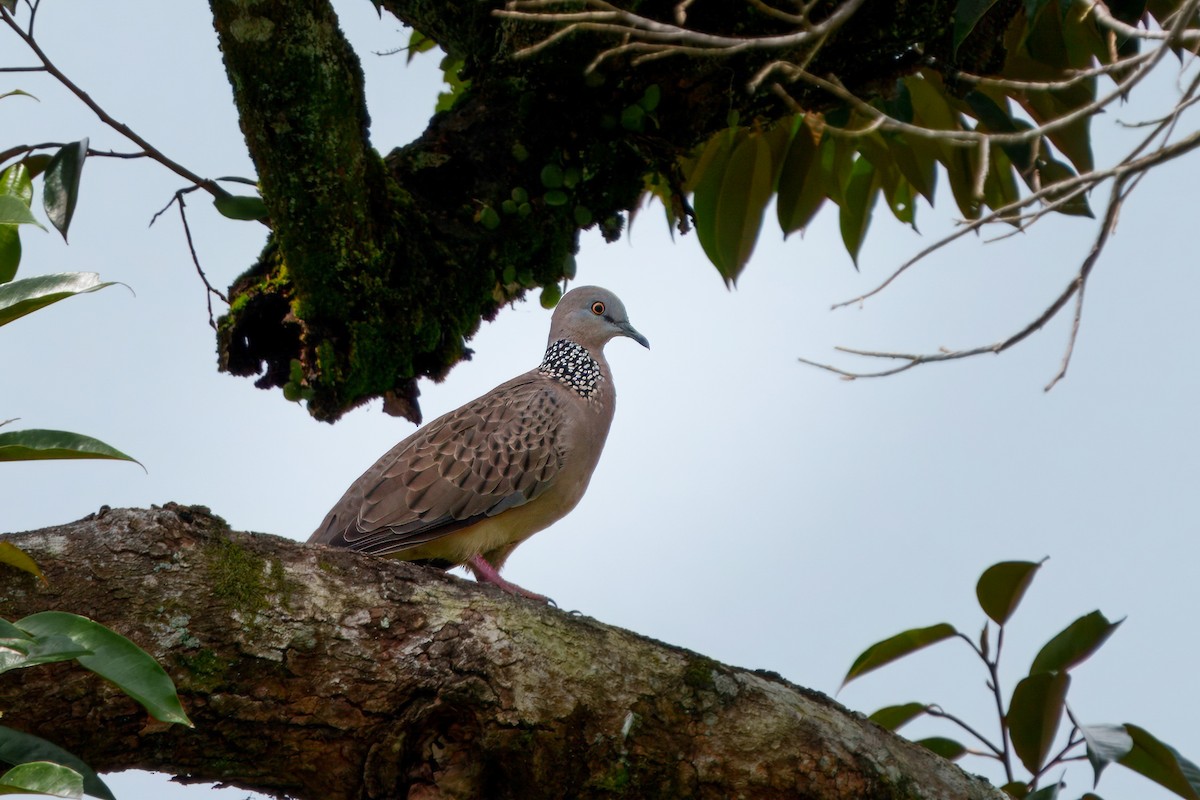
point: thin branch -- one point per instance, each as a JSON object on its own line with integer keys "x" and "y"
{"x": 937, "y": 711}
{"x": 649, "y": 36}
{"x": 105, "y": 117}
{"x": 187, "y": 232}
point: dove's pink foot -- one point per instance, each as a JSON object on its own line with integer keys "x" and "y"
{"x": 486, "y": 573}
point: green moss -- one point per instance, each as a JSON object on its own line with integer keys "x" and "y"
{"x": 244, "y": 581}
{"x": 205, "y": 668}
{"x": 699, "y": 673}
{"x": 616, "y": 779}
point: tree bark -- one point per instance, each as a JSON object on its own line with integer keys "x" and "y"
{"x": 380, "y": 269}
{"x": 320, "y": 673}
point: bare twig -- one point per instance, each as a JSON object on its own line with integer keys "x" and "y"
{"x": 648, "y": 37}
{"x": 26, "y": 36}
{"x": 187, "y": 232}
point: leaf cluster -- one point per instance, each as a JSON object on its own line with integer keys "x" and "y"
{"x": 41, "y": 767}
{"x": 1030, "y": 720}
{"x": 60, "y": 173}
{"x": 1022, "y": 131}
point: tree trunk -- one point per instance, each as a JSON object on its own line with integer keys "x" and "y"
{"x": 321, "y": 673}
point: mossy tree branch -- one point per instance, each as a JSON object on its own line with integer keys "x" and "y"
{"x": 322, "y": 673}
{"x": 379, "y": 270}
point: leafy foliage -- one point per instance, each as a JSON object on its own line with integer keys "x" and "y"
{"x": 1029, "y": 124}
{"x": 1030, "y": 721}
{"x": 61, "y": 174}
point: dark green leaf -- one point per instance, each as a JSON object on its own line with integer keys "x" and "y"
{"x": 651, "y": 97}
{"x": 1074, "y": 644}
{"x": 117, "y": 659}
{"x": 552, "y": 176}
{"x": 1046, "y": 792}
{"x": 10, "y": 252}
{"x": 44, "y": 778}
{"x": 917, "y": 164}
{"x": 18, "y": 748}
{"x": 745, "y": 192}
{"x": 1017, "y": 789}
{"x": 967, "y": 14}
{"x": 858, "y": 200}
{"x": 60, "y": 185}
{"x": 38, "y": 444}
{"x": 37, "y": 164}
{"x": 894, "y": 717}
{"x": 946, "y": 748}
{"x": 1105, "y": 745}
{"x": 242, "y": 207}
{"x": 14, "y": 212}
{"x": 802, "y": 181}
{"x": 1034, "y": 714}
{"x": 898, "y": 646}
{"x": 16, "y": 557}
{"x": 1161, "y": 763}
{"x": 1053, "y": 171}
{"x": 707, "y": 177}
{"x": 1074, "y": 139}
{"x": 1001, "y": 587}
{"x": 24, "y": 653}
{"x": 18, "y": 298}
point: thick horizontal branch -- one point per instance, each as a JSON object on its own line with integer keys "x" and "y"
{"x": 324, "y": 673}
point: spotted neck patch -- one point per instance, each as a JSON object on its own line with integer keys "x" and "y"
{"x": 572, "y": 365}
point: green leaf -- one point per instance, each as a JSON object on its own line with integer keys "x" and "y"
{"x": 15, "y": 212}
{"x": 38, "y": 444}
{"x": 30, "y": 652}
{"x": 1001, "y": 587}
{"x": 707, "y": 177}
{"x": 858, "y": 201}
{"x": 418, "y": 43}
{"x": 967, "y": 14}
{"x": 18, "y": 748}
{"x": 1074, "y": 644}
{"x": 1034, "y": 714}
{"x": 1161, "y": 763}
{"x": 1046, "y": 792}
{"x": 60, "y": 185}
{"x": 37, "y": 164}
{"x": 18, "y": 298}
{"x": 745, "y": 192}
{"x": 16, "y": 557}
{"x": 116, "y": 659}
{"x": 916, "y": 163}
{"x": 1053, "y": 171}
{"x": 10, "y": 252}
{"x": 241, "y": 207}
{"x": 17, "y": 182}
{"x": 802, "y": 181}
{"x": 895, "y": 717}
{"x": 898, "y": 646}
{"x": 1017, "y": 789}
{"x": 946, "y": 748}
{"x": 44, "y": 778}
{"x": 1105, "y": 744}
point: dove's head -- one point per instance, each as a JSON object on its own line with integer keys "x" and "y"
{"x": 591, "y": 316}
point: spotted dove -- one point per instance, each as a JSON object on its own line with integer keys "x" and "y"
{"x": 470, "y": 486}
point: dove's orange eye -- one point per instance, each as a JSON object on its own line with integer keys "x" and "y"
{"x": 597, "y": 308}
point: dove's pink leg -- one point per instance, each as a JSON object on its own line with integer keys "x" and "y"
{"x": 486, "y": 573}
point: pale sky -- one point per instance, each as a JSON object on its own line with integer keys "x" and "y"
{"x": 759, "y": 511}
